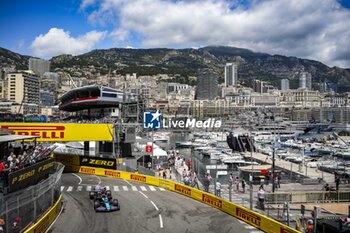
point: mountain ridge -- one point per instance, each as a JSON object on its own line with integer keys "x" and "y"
{"x": 187, "y": 61}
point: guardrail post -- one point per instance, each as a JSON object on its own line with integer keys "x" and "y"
{"x": 34, "y": 205}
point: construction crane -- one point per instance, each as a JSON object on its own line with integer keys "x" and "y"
{"x": 71, "y": 80}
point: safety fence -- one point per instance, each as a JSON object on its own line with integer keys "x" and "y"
{"x": 308, "y": 197}
{"x": 253, "y": 218}
{"x": 23, "y": 208}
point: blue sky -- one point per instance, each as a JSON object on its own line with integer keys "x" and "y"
{"x": 304, "y": 28}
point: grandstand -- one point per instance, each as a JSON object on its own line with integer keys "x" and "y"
{"x": 90, "y": 97}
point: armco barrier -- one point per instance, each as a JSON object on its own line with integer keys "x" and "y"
{"x": 255, "y": 219}
{"x": 46, "y": 220}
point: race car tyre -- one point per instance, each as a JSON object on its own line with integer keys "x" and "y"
{"x": 96, "y": 204}
{"x": 115, "y": 202}
{"x": 92, "y": 195}
{"x": 109, "y": 193}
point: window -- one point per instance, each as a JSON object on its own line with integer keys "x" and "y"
{"x": 109, "y": 95}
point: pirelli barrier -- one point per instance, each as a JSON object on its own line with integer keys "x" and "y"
{"x": 62, "y": 132}
{"x": 255, "y": 219}
{"x": 47, "y": 219}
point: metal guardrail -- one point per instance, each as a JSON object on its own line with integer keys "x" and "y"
{"x": 308, "y": 197}
{"x": 29, "y": 204}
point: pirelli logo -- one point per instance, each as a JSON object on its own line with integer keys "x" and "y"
{"x": 212, "y": 201}
{"x": 138, "y": 178}
{"x": 112, "y": 174}
{"x": 248, "y": 216}
{"x": 45, "y": 132}
{"x": 183, "y": 189}
{"x": 87, "y": 170}
{"x": 283, "y": 230}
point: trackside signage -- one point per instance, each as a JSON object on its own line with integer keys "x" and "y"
{"x": 30, "y": 175}
{"x": 91, "y": 171}
{"x": 112, "y": 174}
{"x": 138, "y": 178}
{"x": 98, "y": 162}
{"x": 212, "y": 200}
{"x": 248, "y": 216}
{"x": 153, "y": 120}
{"x": 283, "y": 230}
{"x": 183, "y": 189}
{"x": 57, "y": 132}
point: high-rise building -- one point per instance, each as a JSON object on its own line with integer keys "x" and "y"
{"x": 47, "y": 98}
{"x": 39, "y": 66}
{"x": 308, "y": 80}
{"x": 302, "y": 80}
{"x": 207, "y": 85}
{"x": 284, "y": 85}
{"x": 21, "y": 87}
{"x": 231, "y": 74}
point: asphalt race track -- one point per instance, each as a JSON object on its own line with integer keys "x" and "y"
{"x": 144, "y": 209}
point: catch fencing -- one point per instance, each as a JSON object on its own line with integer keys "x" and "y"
{"x": 23, "y": 208}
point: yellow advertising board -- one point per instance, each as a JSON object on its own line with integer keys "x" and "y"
{"x": 62, "y": 132}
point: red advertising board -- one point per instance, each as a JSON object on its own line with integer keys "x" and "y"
{"x": 149, "y": 149}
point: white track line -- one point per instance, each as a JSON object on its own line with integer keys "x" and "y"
{"x": 152, "y": 188}
{"x": 107, "y": 188}
{"x": 99, "y": 180}
{"x": 80, "y": 188}
{"x": 69, "y": 189}
{"x": 143, "y": 194}
{"x": 59, "y": 214}
{"x": 128, "y": 182}
{"x": 62, "y": 187}
{"x": 143, "y": 188}
{"x": 161, "y": 189}
{"x": 125, "y": 188}
{"x": 80, "y": 179}
{"x": 155, "y": 206}
{"x": 116, "y": 188}
{"x": 161, "y": 221}
{"x": 134, "y": 188}
{"x": 88, "y": 188}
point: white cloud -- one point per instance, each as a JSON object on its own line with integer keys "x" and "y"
{"x": 56, "y": 41}
{"x": 307, "y": 28}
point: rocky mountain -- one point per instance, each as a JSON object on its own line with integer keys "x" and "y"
{"x": 9, "y": 58}
{"x": 186, "y": 62}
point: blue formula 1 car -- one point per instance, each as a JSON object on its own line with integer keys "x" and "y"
{"x": 103, "y": 201}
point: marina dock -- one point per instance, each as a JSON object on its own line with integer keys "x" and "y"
{"x": 312, "y": 173}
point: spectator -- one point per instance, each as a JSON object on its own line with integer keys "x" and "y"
{"x": 206, "y": 183}
{"x": 310, "y": 226}
{"x": 337, "y": 182}
{"x": 195, "y": 181}
{"x": 243, "y": 186}
{"x": 164, "y": 173}
{"x": 186, "y": 180}
{"x": 189, "y": 164}
{"x": 230, "y": 181}
{"x": 2, "y": 168}
{"x": 279, "y": 181}
{"x": 237, "y": 183}
{"x": 218, "y": 188}
{"x": 261, "y": 197}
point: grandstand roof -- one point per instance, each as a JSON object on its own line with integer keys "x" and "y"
{"x": 11, "y": 138}
{"x": 87, "y": 97}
